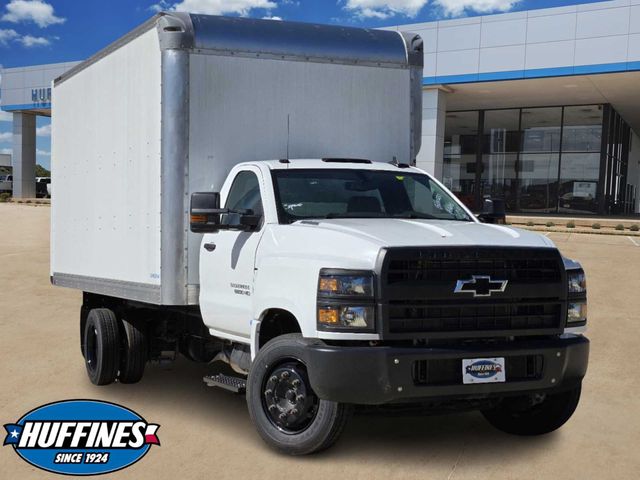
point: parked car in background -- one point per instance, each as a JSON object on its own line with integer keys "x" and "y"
{"x": 6, "y": 183}
{"x": 42, "y": 187}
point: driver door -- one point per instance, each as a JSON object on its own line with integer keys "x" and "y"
{"x": 227, "y": 260}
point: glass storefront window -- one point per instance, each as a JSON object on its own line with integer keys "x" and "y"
{"x": 541, "y": 159}
{"x": 500, "y": 145}
{"x": 580, "y": 169}
{"x": 541, "y": 129}
{"x": 579, "y": 182}
{"x": 538, "y": 185}
{"x": 458, "y": 173}
{"x": 582, "y": 129}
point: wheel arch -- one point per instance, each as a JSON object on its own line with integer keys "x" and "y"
{"x": 272, "y": 323}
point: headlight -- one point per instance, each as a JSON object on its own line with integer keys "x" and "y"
{"x": 577, "y": 297}
{"x": 347, "y": 285}
{"x": 358, "y": 317}
{"x": 577, "y": 281}
{"x": 577, "y": 313}
{"x": 346, "y": 301}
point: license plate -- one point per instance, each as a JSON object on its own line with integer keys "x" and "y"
{"x": 483, "y": 370}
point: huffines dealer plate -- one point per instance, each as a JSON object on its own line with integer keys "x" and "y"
{"x": 483, "y": 370}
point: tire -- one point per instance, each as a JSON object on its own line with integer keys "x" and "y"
{"x": 318, "y": 423}
{"x": 514, "y": 416}
{"x": 133, "y": 356}
{"x": 101, "y": 346}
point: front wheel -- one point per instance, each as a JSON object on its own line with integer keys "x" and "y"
{"x": 286, "y": 412}
{"x": 534, "y": 415}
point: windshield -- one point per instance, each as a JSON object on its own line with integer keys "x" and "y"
{"x": 351, "y": 193}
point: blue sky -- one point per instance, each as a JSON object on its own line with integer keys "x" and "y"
{"x": 48, "y": 31}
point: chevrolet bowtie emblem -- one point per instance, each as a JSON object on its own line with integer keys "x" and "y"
{"x": 480, "y": 286}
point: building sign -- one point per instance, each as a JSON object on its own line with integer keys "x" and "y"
{"x": 41, "y": 96}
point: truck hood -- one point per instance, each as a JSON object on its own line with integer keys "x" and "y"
{"x": 405, "y": 232}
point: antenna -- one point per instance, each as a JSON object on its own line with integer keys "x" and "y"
{"x": 288, "y": 136}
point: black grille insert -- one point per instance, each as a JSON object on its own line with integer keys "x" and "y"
{"x": 471, "y": 316}
{"x": 515, "y": 264}
{"x": 418, "y": 291}
{"x": 518, "y": 368}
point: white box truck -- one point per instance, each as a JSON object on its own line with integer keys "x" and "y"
{"x": 244, "y": 190}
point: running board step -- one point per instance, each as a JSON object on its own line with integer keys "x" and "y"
{"x": 233, "y": 384}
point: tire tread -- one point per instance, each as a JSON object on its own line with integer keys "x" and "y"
{"x": 108, "y": 336}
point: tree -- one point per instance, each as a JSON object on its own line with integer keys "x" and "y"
{"x": 41, "y": 171}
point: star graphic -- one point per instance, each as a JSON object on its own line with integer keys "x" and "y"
{"x": 14, "y": 434}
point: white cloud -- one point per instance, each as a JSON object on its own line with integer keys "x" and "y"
{"x": 162, "y": 5}
{"x": 43, "y": 152}
{"x": 6, "y": 35}
{"x": 458, "y": 7}
{"x": 31, "y": 41}
{"x": 9, "y": 35}
{"x": 6, "y": 151}
{"x": 44, "y": 131}
{"x": 410, "y": 8}
{"x": 5, "y": 116}
{"x": 36, "y": 11}
{"x": 215, "y": 7}
{"x": 5, "y": 136}
{"x": 272, "y": 18}
{"x": 385, "y": 8}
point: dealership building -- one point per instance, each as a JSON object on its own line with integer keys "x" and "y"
{"x": 541, "y": 108}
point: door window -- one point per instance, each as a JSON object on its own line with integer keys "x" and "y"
{"x": 244, "y": 195}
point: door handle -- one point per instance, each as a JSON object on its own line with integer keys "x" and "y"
{"x": 210, "y": 247}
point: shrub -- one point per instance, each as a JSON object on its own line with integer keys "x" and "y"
{"x": 530, "y": 223}
{"x": 596, "y": 226}
{"x": 571, "y": 224}
{"x": 4, "y": 197}
{"x": 27, "y": 201}
{"x": 634, "y": 227}
{"x": 551, "y": 224}
{"x": 619, "y": 226}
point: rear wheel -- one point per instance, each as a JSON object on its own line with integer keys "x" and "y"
{"x": 534, "y": 415}
{"x": 101, "y": 346}
{"x": 133, "y": 356}
{"x": 284, "y": 408}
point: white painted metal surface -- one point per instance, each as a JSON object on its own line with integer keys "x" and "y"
{"x": 248, "y": 109}
{"x": 130, "y": 144}
{"x": 106, "y": 168}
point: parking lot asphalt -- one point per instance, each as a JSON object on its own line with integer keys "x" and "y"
{"x": 207, "y": 433}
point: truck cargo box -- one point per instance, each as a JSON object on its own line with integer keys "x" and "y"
{"x": 171, "y": 107}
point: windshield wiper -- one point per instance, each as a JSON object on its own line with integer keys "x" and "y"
{"x": 414, "y": 215}
{"x": 355, "y": 215}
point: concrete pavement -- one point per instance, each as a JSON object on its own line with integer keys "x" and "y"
{"x": 207, "y": 433}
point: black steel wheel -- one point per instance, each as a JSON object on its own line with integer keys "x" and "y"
{"x": 287, "y": 397}
{"x": 283, "y": 406}
{"x": 101, "y": 346}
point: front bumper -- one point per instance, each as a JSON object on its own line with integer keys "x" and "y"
{"x": 382, "y": 374}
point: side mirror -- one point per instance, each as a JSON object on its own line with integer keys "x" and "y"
{"x": 493, "y": 211}
{"x": 205, "y": 212}
{"x": 250, "y": 221}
